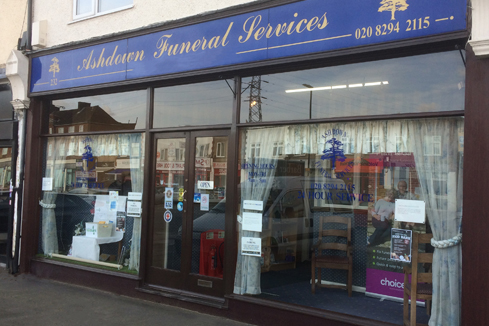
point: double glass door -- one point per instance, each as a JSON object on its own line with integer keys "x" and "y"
{"x": 189, "y": 213}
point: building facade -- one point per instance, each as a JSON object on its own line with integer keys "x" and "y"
{"x": 197, "y": 157}
{"x": 12, "y": 97}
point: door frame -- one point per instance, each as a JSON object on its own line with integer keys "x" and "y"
{"x": 184, "y": 279}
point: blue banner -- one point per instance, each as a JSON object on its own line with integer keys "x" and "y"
{"x": 300, "y": 28}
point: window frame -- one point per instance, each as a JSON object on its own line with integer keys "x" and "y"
{"x": 220, "y": 150}
{"x": 93, "y": 12}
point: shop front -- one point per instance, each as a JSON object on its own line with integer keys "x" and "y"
{"x": 285, "y": 161}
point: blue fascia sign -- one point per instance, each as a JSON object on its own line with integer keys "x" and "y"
{"x": 304, "y": 27}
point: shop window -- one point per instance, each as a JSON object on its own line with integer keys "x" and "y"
{"x": 209, "y": 103}
{"x": 401, "y": 85}
{"x": 112, "y": 112}
{"x": 361, "y": 171}
{"x": 89, "y": 179}
{"x": 88, "y": 8}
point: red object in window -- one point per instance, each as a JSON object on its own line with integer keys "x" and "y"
{"x": 212, "y": 253}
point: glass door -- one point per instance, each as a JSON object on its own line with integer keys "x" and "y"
{"x": 189, "y": 213}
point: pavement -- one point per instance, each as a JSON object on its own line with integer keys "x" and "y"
{"x": 28, "y": 300}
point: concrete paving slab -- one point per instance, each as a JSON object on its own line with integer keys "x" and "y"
{"x": 28, "y": 300}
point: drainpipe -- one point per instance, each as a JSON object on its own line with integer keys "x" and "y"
{"x": 29, "y": 26}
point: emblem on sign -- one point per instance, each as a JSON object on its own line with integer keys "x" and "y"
{"x": 167, "y": 216}
{"x": 54, "y": 68}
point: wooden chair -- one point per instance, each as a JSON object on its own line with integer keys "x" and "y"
{"x": 332, "y": 261}
{"x": 420, "y": 287}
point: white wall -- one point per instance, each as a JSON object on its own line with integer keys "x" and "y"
{"x": 11, "y": 18}
{"x": 62, "y": 29}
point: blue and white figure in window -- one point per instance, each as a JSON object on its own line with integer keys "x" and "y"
{"x": 87, "y": 155}
{"x": 334, "y": 153}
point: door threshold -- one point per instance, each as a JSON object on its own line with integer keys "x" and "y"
{"x": 207, "y": 300}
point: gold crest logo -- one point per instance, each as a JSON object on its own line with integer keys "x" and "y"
{"x": 393, "y": 6}
{"x": 54, "y": 68}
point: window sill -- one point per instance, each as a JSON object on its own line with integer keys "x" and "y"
{"x": 76, "y": 20}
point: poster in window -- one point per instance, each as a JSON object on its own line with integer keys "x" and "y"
{"x": 401, "y": 245}
{"x": 121, "y": 222}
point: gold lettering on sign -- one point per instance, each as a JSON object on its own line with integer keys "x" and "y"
{"x": 163, "y": 45}
{"x": 92, "y": 62}
{"x": 252, "y": 27}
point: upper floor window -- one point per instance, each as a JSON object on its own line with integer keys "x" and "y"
{"x": 220, "y": 151}
{"x": 87, "y": 8}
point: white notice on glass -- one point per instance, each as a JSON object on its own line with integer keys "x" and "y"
{"x": 134, "y": 208}
{"x": 410, "y": 211}
{"x": 252, "y": 222}
{"x": 256, "y": 205}
{"x": 204, "y": 202}
{"x": 251, "y": 246}
{"x": 135, "y": 196}
{"x": 47, "y": 184}
{"x": 205, "y": 185}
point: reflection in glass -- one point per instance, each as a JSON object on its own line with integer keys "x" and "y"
{"x": 5, "y": 177}
{"x": 209, "y": 103}
{"x": 168, "y": 209}
{"x": 122, "y": 111}
{"x": 355, "y": 170}
{"x": 106, "y": 5}
{"x": 209, "y": 206}
{"x": 6, "y": 109}
{"x": 425, "y": 83}
{"x": 83, "y": 6}
{"x": 81, "y": 172}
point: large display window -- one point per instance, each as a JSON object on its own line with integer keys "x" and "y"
{"x": 385, "y": 180}
{"x": 93, "y": 183}
{"x": 91, "y": 205}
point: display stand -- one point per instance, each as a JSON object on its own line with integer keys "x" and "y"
{"x": 89, "y": 248}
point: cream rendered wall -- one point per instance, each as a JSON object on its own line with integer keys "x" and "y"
{"x": 62, "y": 29}
{"x": 11, "y": 18}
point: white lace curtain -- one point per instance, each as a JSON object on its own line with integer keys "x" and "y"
{"x": 258, "y": 151}
{"x": 58, "y": 149}
{"x": 437, "y": 146}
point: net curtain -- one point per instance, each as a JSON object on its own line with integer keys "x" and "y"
{"x": 248, "y": 268}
